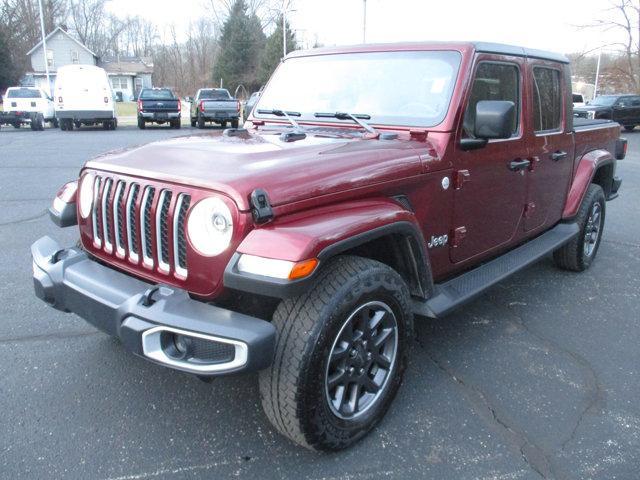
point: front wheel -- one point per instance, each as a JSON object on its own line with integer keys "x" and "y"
{"x": 340, "y": 355}
{"x": 579, "y": 253}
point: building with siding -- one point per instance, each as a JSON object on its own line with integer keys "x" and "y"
{"x": 127, "y": 75}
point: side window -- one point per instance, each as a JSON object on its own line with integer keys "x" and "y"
{"x": 547, "y": 99}
{"x": 493, "y": 81}
{"x": 635, "y": 101}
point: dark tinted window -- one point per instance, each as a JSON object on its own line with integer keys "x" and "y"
{"x": 577, "y": 98}
{"x": 547, "y": 99}
{"x": 23, "y": 93}
{"x": 218, "y": 94}
{"x": 160, "y": 94}
{"x": 493, "y": 81}
{"x": 604, "y": 101}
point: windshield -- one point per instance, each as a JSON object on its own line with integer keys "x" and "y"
{"x": 23, "y": 93}
{"x": 394, "y": 88}
{"x": 604, "y": 101}
{"x": 214, "y": 95}
{"x": 157, "y": 94}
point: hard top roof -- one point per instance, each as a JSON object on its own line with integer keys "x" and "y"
{"x": 485, "y": 47}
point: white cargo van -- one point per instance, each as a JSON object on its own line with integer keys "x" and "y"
{"x": 83, "y": 96}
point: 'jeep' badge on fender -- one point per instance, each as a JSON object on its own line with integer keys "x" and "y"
{"x": 440, "y": 241}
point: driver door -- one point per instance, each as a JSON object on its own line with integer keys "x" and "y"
{"x": 489, "y": 197}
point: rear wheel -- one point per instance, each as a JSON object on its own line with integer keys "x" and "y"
{"x": 175, "y": 124}
{"x": 629, "y": 128}
{"x": 579, "y": 253}
{"x": 54, "y": 122}
{"x": 141, "y": 123}
{"x": 340, "y": 354}
{"x": 193, "y": 122}
{"x": 200, "y": 121}
{"x": 37, "y": 122}
{"x": 234, "y": 123}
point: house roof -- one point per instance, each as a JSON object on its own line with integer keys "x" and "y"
{"x": 126, "y": 65}
{"x": 60, "y": 29}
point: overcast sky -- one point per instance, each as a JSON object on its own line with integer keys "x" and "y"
{"x": 544, "y": 24}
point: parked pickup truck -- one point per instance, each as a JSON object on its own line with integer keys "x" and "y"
{"x": 27, "y": 105}
{"x": 624, "y": 109}
{"x": 373, "y": 185}
{"x": 214, "y": 105}
{"x": 158, "y": 105}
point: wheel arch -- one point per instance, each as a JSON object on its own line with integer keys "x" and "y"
{"x": 380, "y": 229}
{"x": 597, "y": 166}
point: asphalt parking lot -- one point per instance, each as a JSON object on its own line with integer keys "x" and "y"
{"x": 539, "y": 378}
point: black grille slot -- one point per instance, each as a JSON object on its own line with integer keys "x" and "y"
{"x": 133, "y": 219}
{"x": 182, "y": 241}
{"x": 164, "y": 229}
{"x": 108, "y": 214}
{"x": 120, "y": 214}
{"x": 147, "y": 222}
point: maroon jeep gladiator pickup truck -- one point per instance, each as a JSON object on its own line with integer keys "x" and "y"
{"x": 372, "y": 185}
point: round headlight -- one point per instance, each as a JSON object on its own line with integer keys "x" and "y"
{"x": 86, "y": 194}
{"x": 210, "y": 226}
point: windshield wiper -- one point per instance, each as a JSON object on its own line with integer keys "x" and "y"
{"x": 287, "y": 115}
{"x": 356, "y": 117}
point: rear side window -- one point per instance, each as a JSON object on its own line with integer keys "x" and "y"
{"x": 547, "y": 99}
{"x": 493, "y": 81}
{"x": 23, "y": 93}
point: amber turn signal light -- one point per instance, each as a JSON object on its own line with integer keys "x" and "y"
{"x": 303, "y": 269}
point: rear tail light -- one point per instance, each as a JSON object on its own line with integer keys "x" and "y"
{"x": 139, "y": 105}
{"x": 621, "y": 148}
{"x": 202, "y": 105}
{"x": 179, "y": 106}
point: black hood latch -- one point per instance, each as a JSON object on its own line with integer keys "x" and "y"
{"x": 260, "y": 207}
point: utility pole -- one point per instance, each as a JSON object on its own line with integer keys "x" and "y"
{"x": 44, "y": 48}
{"x": 595, "y": 87}
{"x": 364, "y": 21}
{"x": 284, "y": 30}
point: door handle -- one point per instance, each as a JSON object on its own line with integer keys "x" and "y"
{"x": 516, "y": 165}
{"x": 559, "y": 155}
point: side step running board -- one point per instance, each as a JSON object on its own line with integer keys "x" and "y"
{"x": 463, "y": 288}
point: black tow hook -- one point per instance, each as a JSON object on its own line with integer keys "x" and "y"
{"x": 147, "y": 297}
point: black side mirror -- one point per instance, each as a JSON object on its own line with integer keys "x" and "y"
{"x": 494, "y": 120}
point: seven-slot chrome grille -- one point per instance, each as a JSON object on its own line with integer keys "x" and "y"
{"x": 141, "y": 223}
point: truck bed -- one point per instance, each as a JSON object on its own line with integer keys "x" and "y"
{"x": 594, "y": 135}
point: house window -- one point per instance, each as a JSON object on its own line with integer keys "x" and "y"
{"x": 75, "y": 58}
{"x": 120, "y": 83}
{"x": 50, "y": 63}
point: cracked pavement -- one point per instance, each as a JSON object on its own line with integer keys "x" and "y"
{"x": 538, "y": 378}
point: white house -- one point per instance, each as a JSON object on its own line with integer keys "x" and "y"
{"x": 127, "y": 75}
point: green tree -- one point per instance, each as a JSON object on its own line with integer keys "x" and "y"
{"x": 274, "y": 49}
{"x": 8, "y": 72}
{"x": 241, "y": 47}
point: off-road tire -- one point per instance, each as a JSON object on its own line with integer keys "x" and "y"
{"x": 200, "y": 121}
{"x": 572, "y": 255}
{"x": 292, "y": 390}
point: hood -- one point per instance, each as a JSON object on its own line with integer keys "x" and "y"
{"x": 287, "y": 171}
{"x": 591, "y": 108}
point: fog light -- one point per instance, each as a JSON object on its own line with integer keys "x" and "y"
{"x": 182, "y": 345}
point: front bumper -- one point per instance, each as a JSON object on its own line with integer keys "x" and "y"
{"x": 148, "y": 318}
